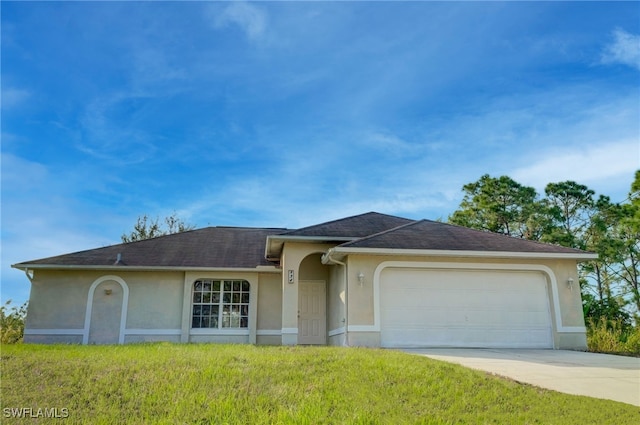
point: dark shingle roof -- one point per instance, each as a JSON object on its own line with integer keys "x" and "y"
{"x": 241, "y": 247}
{"x": 215, "y": 247}
{"x": 433, "y": 235}
{"x": 357, "y": 226}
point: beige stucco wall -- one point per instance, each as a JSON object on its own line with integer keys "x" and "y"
{"x": 567, "y": 324}
{"x": 269, "y": 340}
{"x": 53, "y": 339}
{"x": 158, "y": 306}
{"x": 161, "y": 301}
{"x": 107, "y": 305}
{"x": 133, "y": 339}
{"x": 58, "y": 299}
{"x": 360, "y": 312}
{"x": 293, "y": 254}
{"x": 155, "y": 300}
{"x": 336, "y": 301}
{"x": 270, "y": 304}
{"x": 311, "y": 268}
{"x": 361, "y": 298}
{"x": 58, "y": 305}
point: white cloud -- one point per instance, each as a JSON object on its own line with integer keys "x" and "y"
{"x": 42, "y": 216}
{"x": 153, "y": 71}
{"x": 591, "y": 165}
{"x": 21, "y": 173}
{"x": 624, "y": 49}
{"x": 37, "y": 238}
{"x": 250, "y": 18}
{"x": 109, "y": 139}
{"x": 390, "y": 144}
{"x": 13, "y": 98}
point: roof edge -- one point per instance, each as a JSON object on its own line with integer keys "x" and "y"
{"x": 273, "y": 245}
{"x": 585, "y": 256}
{"x": 311, "y": 238}
{"x": 258, "y": 269}
{"x": 393, "y": 229}
{"x": 338, "y": 220}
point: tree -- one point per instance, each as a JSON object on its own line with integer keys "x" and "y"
{"x": 614, "y": 233}
{"x": 611, "y": 310}
{"x": 146, "y": 228}
{"x": 628, "y": 234}
{"x": 599, "y": 237}
{"x": 499, "y": 205}
{"x": 570, "y": 206}
{"x": 568, "y": 215}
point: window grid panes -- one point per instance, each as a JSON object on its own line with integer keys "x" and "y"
{"x": 220, "y": 304}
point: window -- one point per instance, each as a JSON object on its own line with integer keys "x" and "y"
{"x": 220, "y": 304}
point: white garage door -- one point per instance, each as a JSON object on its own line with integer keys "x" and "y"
{"x": 466, "y": 308}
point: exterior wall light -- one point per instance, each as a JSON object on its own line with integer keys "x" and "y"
{"x": 361, "y": 279}
{"x": 108, "y": 291}
{"x": 570, "y": 283}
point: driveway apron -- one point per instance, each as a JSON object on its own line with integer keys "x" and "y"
{"x": 572, "y": 372}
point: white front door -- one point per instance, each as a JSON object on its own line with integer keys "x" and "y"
{"x": 312, "y": 316}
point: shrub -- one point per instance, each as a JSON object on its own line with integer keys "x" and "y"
{"x": 12, "y": 323}
{"x": 611, "y": 309}
{"x": 612, "y": 336}
{"x": 603, "y": 337}
{"x": 632, "y": 344}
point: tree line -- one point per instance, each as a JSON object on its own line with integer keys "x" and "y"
{"x": 569, "y": 214}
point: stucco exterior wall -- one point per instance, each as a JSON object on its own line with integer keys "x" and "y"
{"x": 269, "y": 339}
{"x": 108, "y": 298}
{"x": 59, "y": 300}
{"x": 336, "y": 305}
{"x": 293, "y": 254}
{"x": 133, "y": 339}
{"x": 159, "y": 304}
{"x": 155, "y": 300}
{"x": 52, "y": 339}
{"x": 158, "y": 307}
{"x": 568, "y": 323}
{"x": 270, "y": 306}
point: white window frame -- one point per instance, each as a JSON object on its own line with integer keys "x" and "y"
{"x": 244, "y": 305}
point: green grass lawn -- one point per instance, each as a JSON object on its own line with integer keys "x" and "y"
{"x": 244, "y": 384}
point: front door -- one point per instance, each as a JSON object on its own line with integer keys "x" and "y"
{"x": 312, "y": 312}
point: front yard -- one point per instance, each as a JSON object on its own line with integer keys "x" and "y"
{"x": 231, "y": 384}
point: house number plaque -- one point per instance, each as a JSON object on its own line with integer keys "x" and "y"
{"x": 290, "y": 276}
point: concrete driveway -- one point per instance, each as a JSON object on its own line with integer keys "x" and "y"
{"x": 572, "y": 372}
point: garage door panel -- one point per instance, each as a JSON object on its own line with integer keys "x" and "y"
{"x": 471, "y": 308}
{"x": 451, "y": 336}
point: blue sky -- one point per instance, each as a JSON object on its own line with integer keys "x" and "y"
{"x": 290, "y": 114}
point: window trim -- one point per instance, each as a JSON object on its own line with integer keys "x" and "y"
{"x": 220, "y": 330}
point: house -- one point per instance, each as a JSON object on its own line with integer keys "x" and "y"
{"x": 368, "y": 280}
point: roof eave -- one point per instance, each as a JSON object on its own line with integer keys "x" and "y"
{"x": 341, "y": 252}
{"x": 27, "y": 266}
{"x": 273, "y": 247}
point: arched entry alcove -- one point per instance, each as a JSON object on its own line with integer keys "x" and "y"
{"x": 312, "y": 301}
{"x": 106, "y": 315}
{"x": 311, "y": 268}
